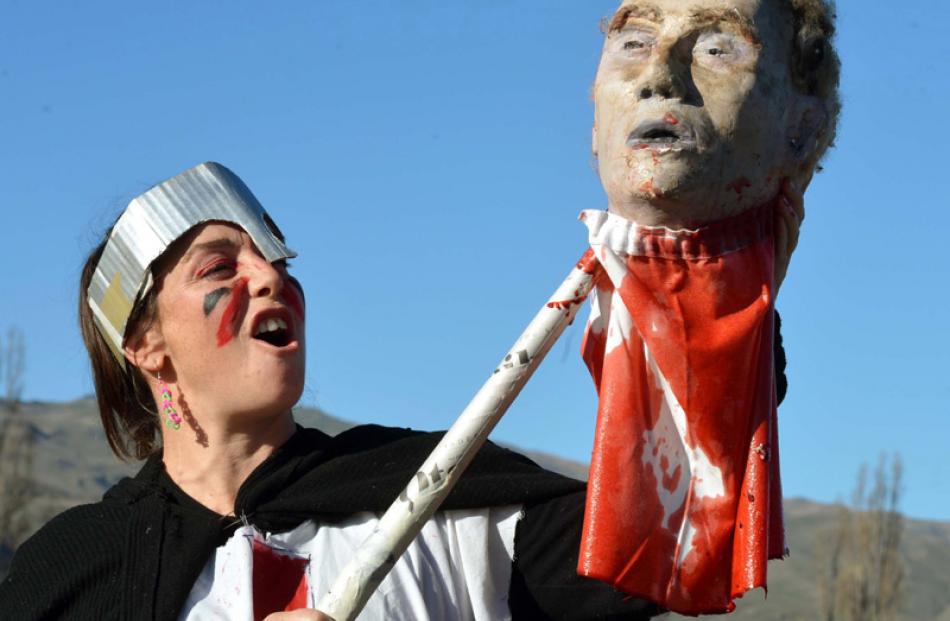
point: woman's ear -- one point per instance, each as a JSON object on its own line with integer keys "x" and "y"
{"x": 146, "y": 350}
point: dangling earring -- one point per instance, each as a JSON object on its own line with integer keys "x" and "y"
{"x": 173, "y": 418}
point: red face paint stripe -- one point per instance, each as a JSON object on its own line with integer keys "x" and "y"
{"x": 226, "y": 327}
{"x": 292, "y": 296}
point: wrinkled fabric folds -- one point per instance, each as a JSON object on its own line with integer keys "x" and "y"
{"x": 684, "y": 498}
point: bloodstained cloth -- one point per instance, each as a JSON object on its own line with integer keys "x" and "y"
{"x": 684, "y": 498}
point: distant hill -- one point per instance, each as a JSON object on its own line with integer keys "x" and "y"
{"x": 72, "y": 464}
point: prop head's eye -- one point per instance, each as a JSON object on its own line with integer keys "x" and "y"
{"x": 633, "y": 43}
{"x": 722, "y": 50}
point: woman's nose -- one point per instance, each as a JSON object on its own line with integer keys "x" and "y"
{"x": 264, "y": 280}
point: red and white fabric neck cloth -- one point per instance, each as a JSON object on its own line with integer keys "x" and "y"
{"x": 684, "y": 499}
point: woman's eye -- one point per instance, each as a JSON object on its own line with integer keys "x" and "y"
{"x": 217, "y": 269}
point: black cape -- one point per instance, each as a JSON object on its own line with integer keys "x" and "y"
{"x": 137, "y": 553}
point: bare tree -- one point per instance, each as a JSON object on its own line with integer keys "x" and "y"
{"x": 830, "y": 557}
{"x": 14, "y": 363}
{"x": 16, "y": 444}
{"x": 16, "y": 480}
{"x": 861, "y": 573}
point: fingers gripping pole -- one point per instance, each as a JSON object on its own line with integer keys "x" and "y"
{"x": 442, "y": 469}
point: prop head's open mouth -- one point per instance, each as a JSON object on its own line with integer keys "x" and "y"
{"x": 662, "y": 134}
{"x": 274, "y": 327}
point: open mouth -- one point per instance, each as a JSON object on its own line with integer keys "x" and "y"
{"x": 661, "y": 134}
{"x": 274, "y": 329}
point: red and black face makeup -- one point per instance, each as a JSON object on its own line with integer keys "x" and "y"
{"x": 212, "y": 299}
{"x": 293, "y": 295}
{"x": 228, "y": 325}
{"x": 291, "y": 292}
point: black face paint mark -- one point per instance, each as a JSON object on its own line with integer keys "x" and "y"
{"x": 212, "y": 299}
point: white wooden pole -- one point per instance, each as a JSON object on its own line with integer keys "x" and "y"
{"x": 442, "y": 469}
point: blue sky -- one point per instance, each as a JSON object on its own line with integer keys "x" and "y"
{"x": 428, "y": 160}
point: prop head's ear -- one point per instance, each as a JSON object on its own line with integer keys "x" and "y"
{"x": 146, "y": 349}
{"x": 593, "y": 139}
{"x": 806, "y": 136}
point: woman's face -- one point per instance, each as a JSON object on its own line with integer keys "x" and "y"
{"x": 230, "y": 326}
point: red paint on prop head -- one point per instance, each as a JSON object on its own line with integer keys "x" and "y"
{"x": 227, "y": 326}
{"x": 647, "y": 187}
{"x": 672, "y": 120}
{"x": 739, "y": 184}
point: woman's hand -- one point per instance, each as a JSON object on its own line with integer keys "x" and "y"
{"x": 298, "y": 615}
{"x": 788, "y": 222}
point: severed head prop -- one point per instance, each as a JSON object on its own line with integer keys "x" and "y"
{"x": 703, "y": 109}
{"x": 153, "y": 221}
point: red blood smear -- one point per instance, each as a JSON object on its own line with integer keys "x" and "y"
{"x": 227, "y": 326}
{"x": 647, "y": 187}
{"x": 280, "y": 582}
{"x": 739, "y": 184}
{"x": 292, "y": 297}
{"x": 562, "y": 304}
{"x": 588, "y": 263}
{"x": 672, "y": 120}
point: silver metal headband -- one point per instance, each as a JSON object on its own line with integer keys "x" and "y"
{"x": 153, "y": 221}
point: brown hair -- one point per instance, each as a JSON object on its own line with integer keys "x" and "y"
{"x": 126, "y": 405}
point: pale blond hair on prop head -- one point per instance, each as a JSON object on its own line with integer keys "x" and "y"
{"x": 118, "y": 296}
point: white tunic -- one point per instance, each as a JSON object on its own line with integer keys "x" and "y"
{"x": 458, "y": 568}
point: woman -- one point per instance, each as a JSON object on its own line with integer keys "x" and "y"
{"x": 239, "y": 513}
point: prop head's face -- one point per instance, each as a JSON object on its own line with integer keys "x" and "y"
{"x": 697, "y": 116}
{"x": 230, "y": 325}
